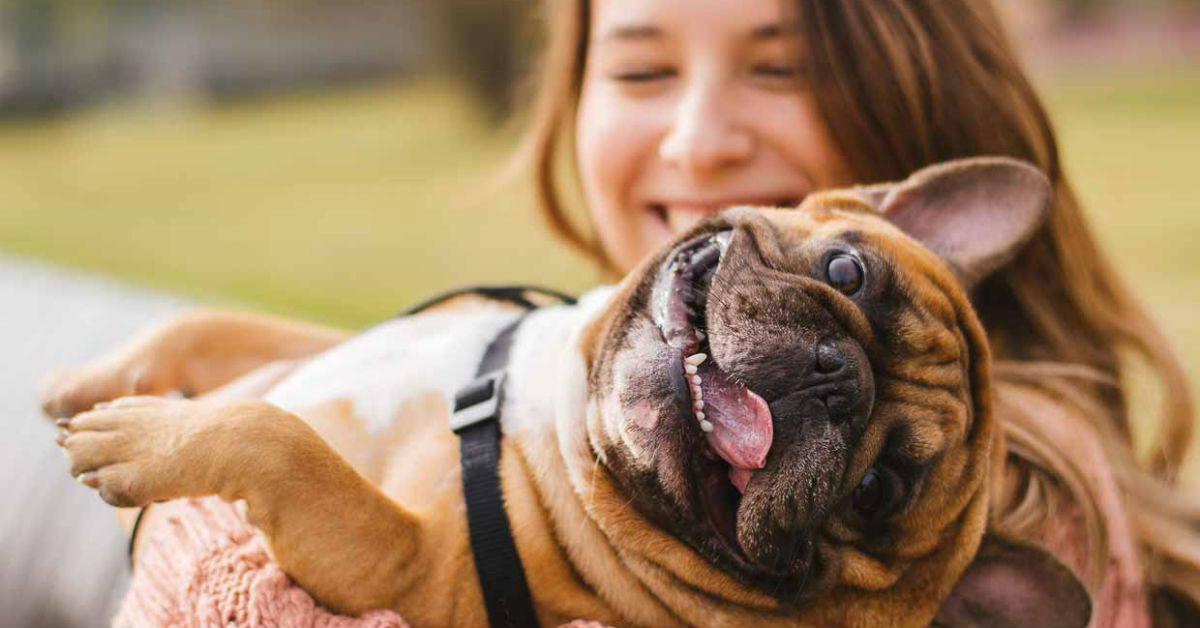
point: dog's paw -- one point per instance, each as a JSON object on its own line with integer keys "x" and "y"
{"x": 133, "y": 451}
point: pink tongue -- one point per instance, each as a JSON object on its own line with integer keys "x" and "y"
{"x": 740, "y": 478}
{"x": 742, "y": 430}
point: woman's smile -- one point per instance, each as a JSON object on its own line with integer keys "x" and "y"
{"x": 685, "y": 113}
{"x": 680, "y": 213}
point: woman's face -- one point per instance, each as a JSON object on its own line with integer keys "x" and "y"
{"x": 690, "y": 106}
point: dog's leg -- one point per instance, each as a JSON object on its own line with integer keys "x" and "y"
{"x": 330, "y": 529}
{"x": 193, "y": 353}
{"x": 249, "y": 386}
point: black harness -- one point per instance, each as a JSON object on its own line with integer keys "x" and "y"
{"x": 476, "y": 420}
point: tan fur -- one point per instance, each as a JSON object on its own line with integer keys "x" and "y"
{"x": 365, "y": 520}
{"x": 193, "y": 354}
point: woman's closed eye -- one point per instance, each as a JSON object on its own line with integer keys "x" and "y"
{"x": 782, "y": 75}
{"x": 775, "y": 72}
{"x": 643, "y": 75}
{"x": 779, "y": 71}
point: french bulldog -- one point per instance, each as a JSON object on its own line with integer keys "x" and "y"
{"x": 783, "y": 418}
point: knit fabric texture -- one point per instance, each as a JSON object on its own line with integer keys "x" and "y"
{"x": 205, "y": 567}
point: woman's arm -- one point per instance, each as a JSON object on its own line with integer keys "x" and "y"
{"x": 193, "y": 354}
{"x": 197, "y": 559}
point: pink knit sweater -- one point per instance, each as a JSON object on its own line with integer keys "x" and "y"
{"x": 206, "y": 567}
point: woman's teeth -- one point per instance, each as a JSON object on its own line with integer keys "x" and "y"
{"x": 682, "y": 219}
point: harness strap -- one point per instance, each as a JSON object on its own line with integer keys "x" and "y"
{"x": 476, "y": 420}
{"x": 517, "y": 295}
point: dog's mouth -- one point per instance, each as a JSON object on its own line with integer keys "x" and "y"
{"x": 734, "y": 421}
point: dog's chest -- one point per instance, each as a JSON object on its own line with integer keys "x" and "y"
{"x": 383, "y": 399}
{"x": 374, "y": 393}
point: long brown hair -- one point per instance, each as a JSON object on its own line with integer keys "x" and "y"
{"x": 902, "y": 84}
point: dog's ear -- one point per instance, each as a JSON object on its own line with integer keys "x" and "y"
{"x": 1013, "y": 584}
{"x": 976, "y": 213}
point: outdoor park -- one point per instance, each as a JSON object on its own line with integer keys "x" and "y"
{"x": 344, "y": 204}
{"x": 342, "y": 201}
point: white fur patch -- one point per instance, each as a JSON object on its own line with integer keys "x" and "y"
{"x": 395, "y": 361}
{"x": 546, "y": 374}
{"x": 404, "y": 358}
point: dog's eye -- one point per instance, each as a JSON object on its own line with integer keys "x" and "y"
{"x": 878, "y": 494}
{"x": 844, "y": 273}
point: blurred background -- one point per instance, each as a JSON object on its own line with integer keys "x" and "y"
{"x": 337, "y": 161}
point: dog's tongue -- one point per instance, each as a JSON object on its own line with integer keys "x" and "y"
{"x": 742, "y": 430}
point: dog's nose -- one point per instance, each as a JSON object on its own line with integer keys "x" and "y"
{"x": 842, "y": 381}
{"x": 830, "y": 358}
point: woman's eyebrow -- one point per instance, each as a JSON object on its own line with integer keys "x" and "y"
{"x": 635, "y": 32}
{"x": 628, "y": 32}
{"x": 774, "y": 30}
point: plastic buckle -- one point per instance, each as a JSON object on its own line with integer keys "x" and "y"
{"x": 478, "y": 401}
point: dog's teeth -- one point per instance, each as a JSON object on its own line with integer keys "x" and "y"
{"x": 699, "y": 336}
{"x": 696, "y": 359}
{"x": 698, "y": 405}
{"x": 700, "y": 415}
{"x": 696, "y": 380}
{"x": 706, "y": 426}
{"x": 690, "y": 369}
{"x": 675, "y": 343}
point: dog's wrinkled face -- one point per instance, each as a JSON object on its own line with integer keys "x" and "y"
{"x": 801, "y": 396}
{"x": 804, "y": 437}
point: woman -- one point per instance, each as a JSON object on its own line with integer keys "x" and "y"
{"x": 675, "y": 109}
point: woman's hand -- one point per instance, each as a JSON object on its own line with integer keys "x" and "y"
{"x": 192, "y": 354}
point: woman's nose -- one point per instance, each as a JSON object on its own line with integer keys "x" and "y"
{"x": 703, "y": 140}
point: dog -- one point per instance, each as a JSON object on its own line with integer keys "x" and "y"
{"x": 782, "y": 418}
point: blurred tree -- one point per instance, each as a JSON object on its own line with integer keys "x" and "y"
{"x": 32, "y": 31}
{"x": 489, "y": 47}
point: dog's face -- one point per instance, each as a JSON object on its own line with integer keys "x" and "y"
{"x": 802, "y": 395}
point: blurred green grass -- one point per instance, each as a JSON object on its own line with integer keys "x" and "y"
{"x": 344, "y": 207}
{"x": 1130, "y": 145}
{"x": 338, "y": 207}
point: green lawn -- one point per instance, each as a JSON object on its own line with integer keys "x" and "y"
{"x": 1130, "y": 145}
{"x": 339, "y": 207}
{"x": 345, "y": 207}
